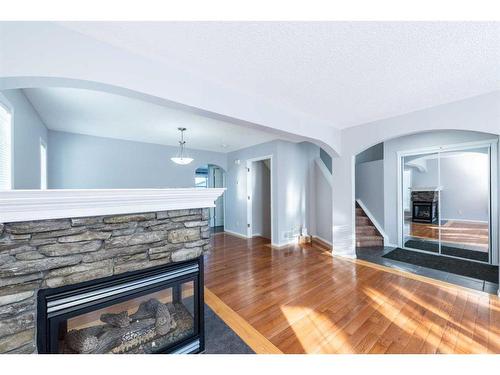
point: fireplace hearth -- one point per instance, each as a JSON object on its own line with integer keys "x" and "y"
{"x": 157, "y": 310}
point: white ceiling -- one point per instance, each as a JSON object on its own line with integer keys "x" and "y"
{"x": 114, "y": 116}
{"x": 345, "y": 73}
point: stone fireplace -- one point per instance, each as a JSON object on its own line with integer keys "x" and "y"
{"x": 52, "y": 259}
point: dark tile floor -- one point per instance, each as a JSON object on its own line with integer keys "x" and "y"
{"x": 375, "y": 254}
{"x": 220, "y": 338}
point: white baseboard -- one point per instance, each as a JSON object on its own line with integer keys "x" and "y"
{"x": 256, "y": 234}
{"x": 236, "y": 234}
{"x": 329, "y": 243}
{"x": 283, "y": 244}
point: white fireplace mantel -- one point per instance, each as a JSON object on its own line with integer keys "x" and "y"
{"x": 27, "y": 205}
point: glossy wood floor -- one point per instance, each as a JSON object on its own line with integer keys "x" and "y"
{"x": 303, "y": 300}
{"x": 468, "y": 234}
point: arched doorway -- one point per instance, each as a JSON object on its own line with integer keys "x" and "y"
{"x": 430, "y": 199}
{"x": 212, "y": 176}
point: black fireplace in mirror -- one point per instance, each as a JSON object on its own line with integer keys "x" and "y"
{"x": 157, "y": 310}
{"x": 425, "y": 212}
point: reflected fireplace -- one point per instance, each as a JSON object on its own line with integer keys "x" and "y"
{"x": 425, "y": 205}
{"x": 425, "y": 212}
{"x": 158, "y": 310}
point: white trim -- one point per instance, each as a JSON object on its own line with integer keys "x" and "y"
{"x": 25, "y": 205}
{"x": 287, "y": 243}
{"x": 495, "y": 222}
{"x": 249, "y": 201}
{"x": 373, "y": 220}
{"x": 236, "y": 234}
{"x": 324, "y": 170}
{"x": 452, "y": 147}
{"x": 323, "y": 240}
{"x": 44, "y": 145}
{"x": 400, "y": 203}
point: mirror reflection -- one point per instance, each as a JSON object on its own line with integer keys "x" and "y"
{"x": 446, "y": 202}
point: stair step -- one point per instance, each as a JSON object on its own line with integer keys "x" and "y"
{"x": 369, "y": 240}
{"x": 363, "y": 237}
{"x": 360, "y": 220}
{"x": 369, "y": 243}
{"x": 366, "y": 230}
{"x": 359, "y": 211}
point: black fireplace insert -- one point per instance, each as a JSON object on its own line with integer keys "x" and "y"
{"x": 157, "y": 310}
{"x": 425, "y": 212}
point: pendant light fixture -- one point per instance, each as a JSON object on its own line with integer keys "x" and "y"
{"x": 182, "y": 158}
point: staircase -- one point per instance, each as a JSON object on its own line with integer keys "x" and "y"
{"x": 366, "y": 233}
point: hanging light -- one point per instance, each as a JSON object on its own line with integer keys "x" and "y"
{"x": 182, "y": 158}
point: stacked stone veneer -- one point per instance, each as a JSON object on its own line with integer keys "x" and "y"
{"x": 424, "y": 196}
{"x": 52, "y": 253}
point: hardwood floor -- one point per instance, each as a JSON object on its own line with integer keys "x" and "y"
{"x": 302, "y": 300}
{"x": 468, "y": 234}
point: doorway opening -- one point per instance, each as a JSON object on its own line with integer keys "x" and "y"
{"x": 259, "y": 189}
{"x": 213, "y": 176}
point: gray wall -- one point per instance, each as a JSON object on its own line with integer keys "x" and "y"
{"x": 407, "y": 143}
{"x": 87, "y": 162}
{"x": 371, "y": 154}
{"x": 295, "y": 173}
{"x": 28, "y": 130}
{"x": 291, "y": 175}
{"x": 236, "y": 182}
{"x": 322, "y": 196}
{"x": 326, "y": 158}
{"x": 261, "y": 199}
{"x": 370, "y": 187}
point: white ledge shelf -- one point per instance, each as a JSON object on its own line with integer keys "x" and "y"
{"x": 27, "y": 205}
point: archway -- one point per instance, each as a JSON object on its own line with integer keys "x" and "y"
{"x": 431, "y": 193}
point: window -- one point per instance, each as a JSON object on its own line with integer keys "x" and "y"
{"x": 43, "y": 165}
{"x": 5, "y": 149}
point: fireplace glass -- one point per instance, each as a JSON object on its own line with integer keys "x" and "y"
{"x": 145, "y": 324}
{"x": 150, "y": 314}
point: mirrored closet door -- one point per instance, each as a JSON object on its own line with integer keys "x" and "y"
{"x": 445, "y": 203}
